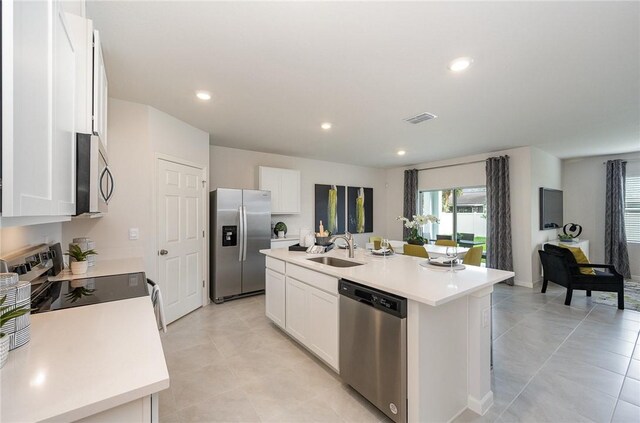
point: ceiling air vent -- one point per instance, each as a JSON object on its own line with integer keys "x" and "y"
{"x": 422, "y": 117}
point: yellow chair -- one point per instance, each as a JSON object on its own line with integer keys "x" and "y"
{"x": 446, "y": 242}
{"x": 375, "y": 238}
{"x": 415, "y": 250}
{"x": 473, "y": 256}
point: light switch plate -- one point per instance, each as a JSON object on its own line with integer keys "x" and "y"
{"x": 134, "y": 234}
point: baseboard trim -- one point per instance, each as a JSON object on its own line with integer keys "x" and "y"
{"x": 480, "y": 406}
{"x": 526, "y": 284}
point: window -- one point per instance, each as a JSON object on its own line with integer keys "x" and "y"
{"x": 632, "y": 208}
{"x": 462, "y": 211}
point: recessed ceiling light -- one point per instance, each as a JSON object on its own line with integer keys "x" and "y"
{"x": 203, "y": 95}
{"x": 460, "y": 64}
{"x": 326, "y": 126}
{"x": 401, "y": 152}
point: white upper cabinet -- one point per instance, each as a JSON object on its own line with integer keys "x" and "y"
{"x": 284, "y": 185}
{"x": 64, "y": 83}
{"x": 91, "y": 79}
{"x": 82, "y": 36}
{"x": 100, "y": 91}
{"x": 38, "y": 97}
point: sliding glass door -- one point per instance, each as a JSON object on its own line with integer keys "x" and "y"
{"x": 462, "y": 214}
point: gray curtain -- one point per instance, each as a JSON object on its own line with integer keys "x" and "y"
{"x": 499, "y": 248}
{"x": 410, "y": 197}
{"x": 615, "y": 238}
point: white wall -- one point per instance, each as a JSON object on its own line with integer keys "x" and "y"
{"x": 136, "y": 134}
{"x": 524, "y": 210}
{"x": 584, "y": 188}
{"x": 18, "y": 237}
{"x": 546, "y": 171}
{"x": 233, "y": 168}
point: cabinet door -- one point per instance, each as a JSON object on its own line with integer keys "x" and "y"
{"x": 27, "y": 147}
{"x": 100, "y": 91}
{"x": 275, "y": 297}
{"x": 64, "y": 84}
{"x": 289, "y": 191}
{"x": 297, "y": 311}
{"x": 270, "y": 181}
{"x": 323, "y": 323}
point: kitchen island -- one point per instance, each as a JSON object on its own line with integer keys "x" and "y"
{"x": 102, "y": 362}
{"x": 448, "y": 321}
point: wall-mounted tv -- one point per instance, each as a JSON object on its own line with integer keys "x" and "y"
{"x": 550, "y": 208}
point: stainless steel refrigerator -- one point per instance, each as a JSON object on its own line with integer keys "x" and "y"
{"x": 240, "y": 227}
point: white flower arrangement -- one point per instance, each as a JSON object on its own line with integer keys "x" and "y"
{"x": 418, "y": 220}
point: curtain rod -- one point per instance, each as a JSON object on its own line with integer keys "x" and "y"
{"x": 624, "y": 160}
{"x": 457, "y": 164}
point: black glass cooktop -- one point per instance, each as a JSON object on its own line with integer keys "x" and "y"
{"x": 52, "y": 296}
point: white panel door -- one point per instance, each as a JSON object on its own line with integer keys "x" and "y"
{"x": 323, "y": 326}
{"x": 275, "y": 297}
{"x": 297, "y": 313}
{"x": 180, "y": 238}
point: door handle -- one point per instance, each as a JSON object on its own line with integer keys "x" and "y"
{"x": 163, "y": 252}
{"x": 241, "y": 233}
{"x": 244, "y": 227}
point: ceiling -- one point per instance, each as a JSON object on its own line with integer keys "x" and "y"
{"x": 562, "y": 76}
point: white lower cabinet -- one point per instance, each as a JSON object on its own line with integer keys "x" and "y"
{"x": 305, "y": 304}
{"x": 323, "y": 325}
{"x": 143, "y": 410}
{"x": 275, "y": 297}
{"x": 297, "y": 310}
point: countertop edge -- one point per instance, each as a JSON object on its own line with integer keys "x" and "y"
{"x": 328, "y": 271}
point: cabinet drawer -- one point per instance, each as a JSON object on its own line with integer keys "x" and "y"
{"x": 275, "y": 264}
{"x": 321, "y": 281}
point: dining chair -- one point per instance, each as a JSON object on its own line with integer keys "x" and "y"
{"x": 473, "y": 256}
{"x": 415, "y": 250}
{"x": 446, "y": 242}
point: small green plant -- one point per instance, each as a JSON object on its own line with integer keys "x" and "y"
{"x": 76, "y": 252}
{"x": 7, "y": 313}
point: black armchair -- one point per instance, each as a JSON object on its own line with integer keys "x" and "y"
{"x": 560, "y": 266}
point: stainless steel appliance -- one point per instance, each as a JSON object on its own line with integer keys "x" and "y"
{"x": 94, "y": 180}
{"x": 373, "y": 346}
{"x": 240, "y": 227}
{"x": 58, "y": 295}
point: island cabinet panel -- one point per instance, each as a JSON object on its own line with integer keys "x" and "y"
{"x": 323, "y": 334}
{"x": 326, "y": 283}
{"x": 275, "y": 297}
{"x": 297, "y": 322}
{"x": 138, "y": 411}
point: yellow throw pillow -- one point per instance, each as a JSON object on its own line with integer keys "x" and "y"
{"x": 580, "y": 258}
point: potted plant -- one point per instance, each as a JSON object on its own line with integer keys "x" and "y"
{"x": 7, "y": 313}
{"x": 79, "y": 265}
{"x": 415, "y": 225}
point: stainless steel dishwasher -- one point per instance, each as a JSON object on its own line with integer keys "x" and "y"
{"x": 373, "y": 346}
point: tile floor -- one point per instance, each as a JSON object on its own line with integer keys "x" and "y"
{"x": 551, "y": 363}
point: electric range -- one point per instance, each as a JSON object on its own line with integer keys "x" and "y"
{"x": 51, "y": 296}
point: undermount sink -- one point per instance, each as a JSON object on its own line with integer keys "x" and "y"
{"x": 335, "y": 262}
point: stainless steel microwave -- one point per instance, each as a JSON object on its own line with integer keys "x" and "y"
{"x": 94, "y": 180}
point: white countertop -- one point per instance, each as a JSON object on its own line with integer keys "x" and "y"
{"x": 84, "y": 360}
{"x": 104, "y": 268}
{"x": 401, "y": 275}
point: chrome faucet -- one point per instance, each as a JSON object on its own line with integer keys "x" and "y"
{"x": 347, "y": 237}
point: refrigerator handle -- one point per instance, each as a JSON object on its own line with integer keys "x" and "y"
{"x": 240, "y": 233}
{"x": 244, "y": 233}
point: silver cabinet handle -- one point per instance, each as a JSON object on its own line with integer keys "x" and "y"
{"x": 163, "y": 252}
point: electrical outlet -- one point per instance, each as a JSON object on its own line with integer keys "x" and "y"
{"x": 486, "y": 317}
{"x": 134, "y": 234}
